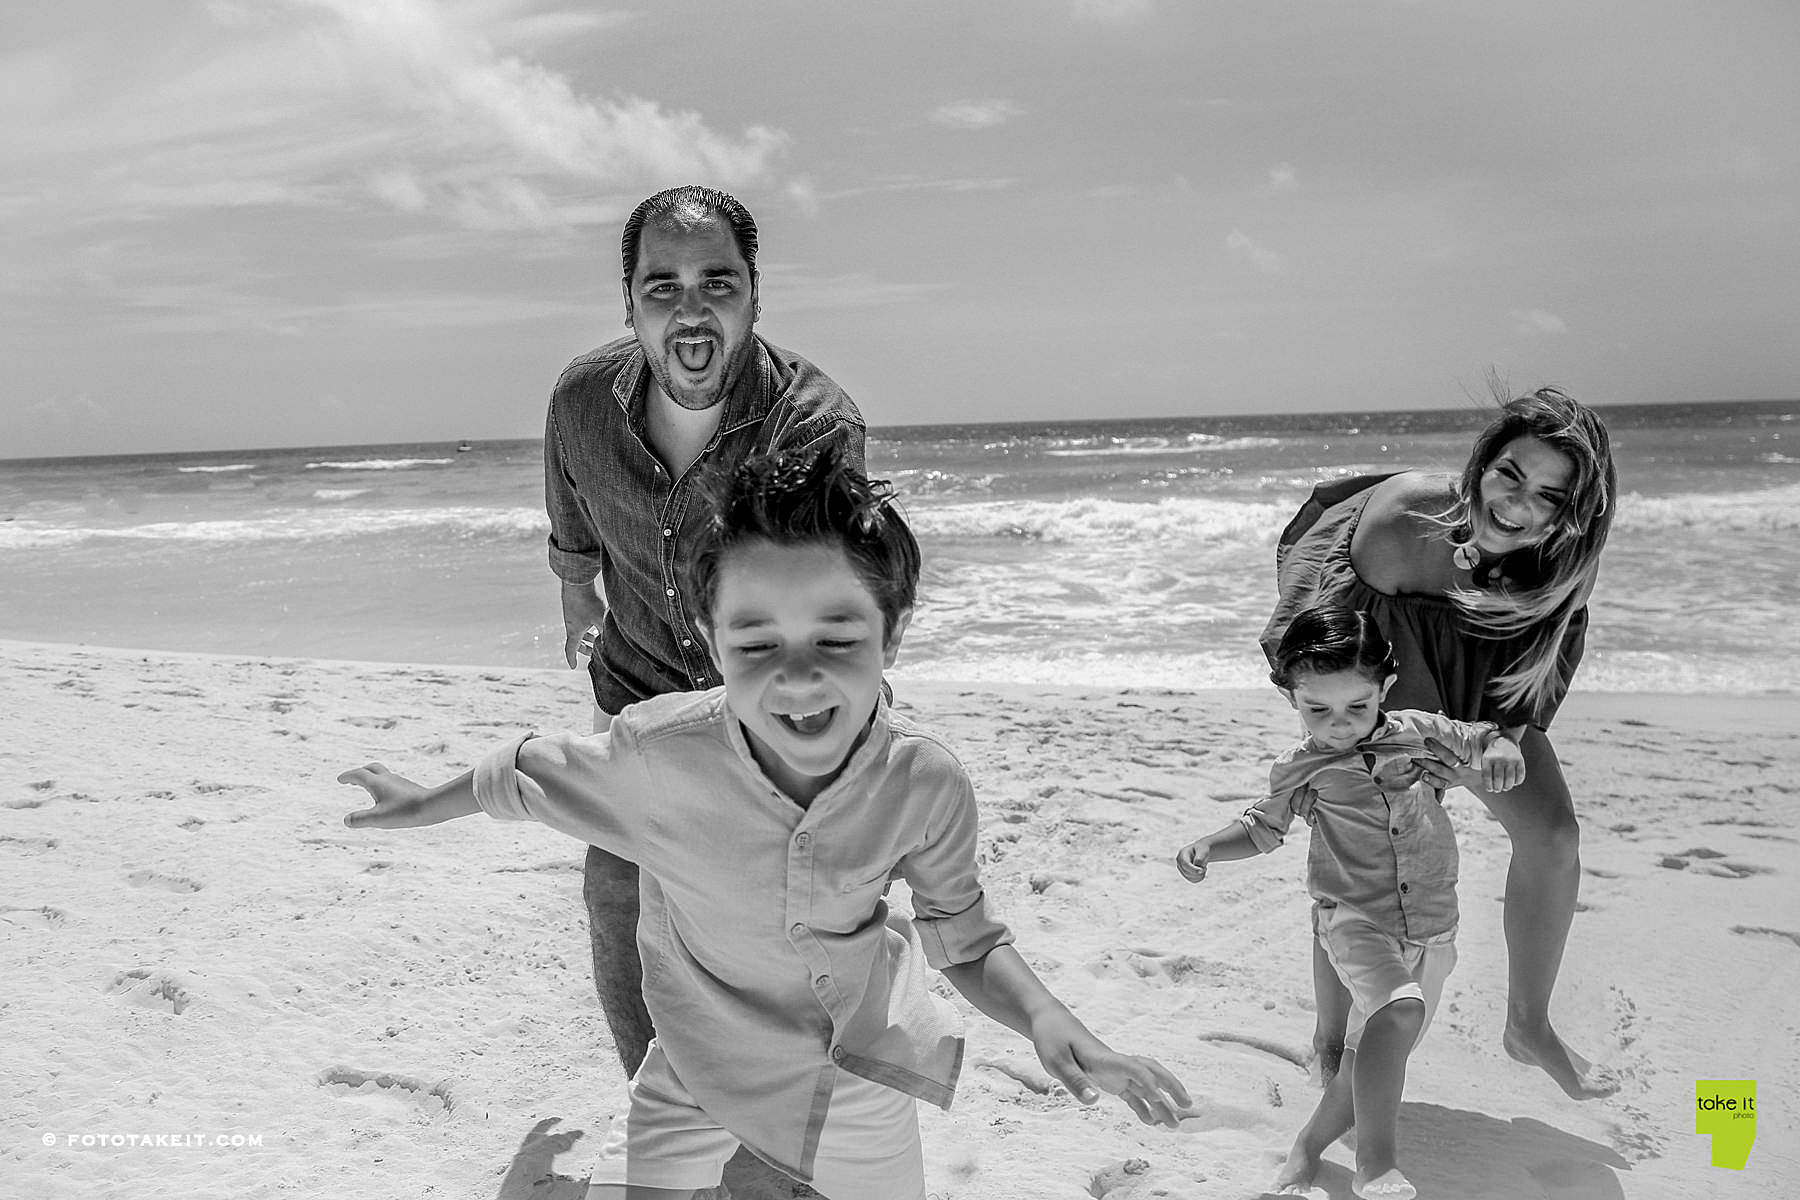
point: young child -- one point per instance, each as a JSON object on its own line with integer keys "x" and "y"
{"x": 791, "y": 1011}
{"x": 1381, "y": 870}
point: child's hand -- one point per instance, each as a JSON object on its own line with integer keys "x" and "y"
{"x": 1081, "y": 1062}
{"x": 1502, "y": 764}
{"x": 1191, "y": 862}
{"x": 399, "y": 802}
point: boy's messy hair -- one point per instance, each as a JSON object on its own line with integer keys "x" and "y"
{"x": 1329, "y": 639}
{"x": 798, "y": 498}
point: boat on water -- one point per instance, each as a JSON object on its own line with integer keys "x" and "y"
{"x": 463, "y": 447}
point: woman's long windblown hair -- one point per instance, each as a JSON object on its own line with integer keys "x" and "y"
{"x": 1538, "y": 590}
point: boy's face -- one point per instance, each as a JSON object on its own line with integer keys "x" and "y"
{"x": 1338, "y": 709}
{"x": 798, "y": 638}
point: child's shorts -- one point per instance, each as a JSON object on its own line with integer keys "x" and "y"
{"x": 1379, "y": 968}
{"x": 868, "y": 1149}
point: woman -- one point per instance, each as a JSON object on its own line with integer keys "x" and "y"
{"x": 1481, "y": 584}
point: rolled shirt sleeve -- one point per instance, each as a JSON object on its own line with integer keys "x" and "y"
{"x": 1269, "y": 819}
{"x": 575, "y": 547}
{"x": 589, "y": 786}
{"x": 950, "y": 910}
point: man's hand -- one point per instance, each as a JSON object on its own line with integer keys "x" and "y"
{"x": 402, "y": 804}
{"x": 583, "y": 613}
{"x": 1191, "y": 862}
{"x": 1083, "y": 1063}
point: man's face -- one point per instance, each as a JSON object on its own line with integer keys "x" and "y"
{"x": 800, "y": 642}
{"x": 692, "y": 304}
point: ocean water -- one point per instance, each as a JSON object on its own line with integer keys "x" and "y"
{"x": 1124, "y": 552}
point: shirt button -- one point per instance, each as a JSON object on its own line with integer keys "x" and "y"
{"x": 687, "y": 642}
{"x": 803, "y": 840}
{"x": 1406, "y": 887}
{"x": 668, "y": 533}
{"x": 798, "y": 930}
{"x": 1395, "y": 831}
{"x": 822, "y": 982}
{"x": 837, "y": 1054}
{"x": 668, "y": 591}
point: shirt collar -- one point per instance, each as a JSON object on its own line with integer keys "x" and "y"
{"x": 872, "y": 750}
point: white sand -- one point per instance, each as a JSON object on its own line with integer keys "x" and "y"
{"x": 196, "y": 948}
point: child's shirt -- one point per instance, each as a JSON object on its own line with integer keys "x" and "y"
{"x": 1381, "y": 844}
{"x": 769, "y": 959}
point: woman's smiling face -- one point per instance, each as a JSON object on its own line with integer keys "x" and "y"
{"x": 1519, "y": 496}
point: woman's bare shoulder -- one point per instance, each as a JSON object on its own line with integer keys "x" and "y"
{"x": 1386, "y": 548}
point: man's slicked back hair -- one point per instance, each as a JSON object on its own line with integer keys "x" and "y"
{"x": 800, "y": 498}
{"x": 692, "y": 203}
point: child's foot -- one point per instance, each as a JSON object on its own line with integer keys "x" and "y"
{"x": 1576, "y": 1076}
{"x": 1297, "y": 1174}
{"x": 1389, "y": 1185}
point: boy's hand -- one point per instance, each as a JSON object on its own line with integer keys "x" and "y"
{"x": 1082, "y": 1063}
{"x": 1191, "y": 862}
{"x": 399, "y": 802}
{"x": 1502, "y": 764}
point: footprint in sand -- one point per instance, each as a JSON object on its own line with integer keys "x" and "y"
{"x": 1104, "y": 1183}
{"x": 1155, "y": 965}
{"x": 42, "y": 918}
{"x": 1710, "y": 862}
{"x": 151, "y": 989}
{"x": 30, "y": 845}
{"x": 1765, "y": 931}
{"x": 163, "y": 883}
{"x": 386, "y": 1094}
{"x": 372, "y": 722}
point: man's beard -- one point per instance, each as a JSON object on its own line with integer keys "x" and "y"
{"x": 695, "y": 400}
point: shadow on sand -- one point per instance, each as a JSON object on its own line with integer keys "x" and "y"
{"x": 1473, "y": 1156}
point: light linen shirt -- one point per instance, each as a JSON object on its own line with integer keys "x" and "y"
{"x": 770, "y": 959}
{"x": 1382, "y": 843}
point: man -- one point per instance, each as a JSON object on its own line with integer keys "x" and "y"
{"x": 632, "y": 428}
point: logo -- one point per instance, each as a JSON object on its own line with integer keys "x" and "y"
{"x": 1726, "y": 1108}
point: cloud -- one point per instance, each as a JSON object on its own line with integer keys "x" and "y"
{"x": 1283, "y": 178}
{"x": 975, "y": 114}
{"x": 1113, "y": 12}
{"x": 1241, "y": 245}
{"x": 804, "y": 196}
{"x": 1535, "y": 322}
{"x": 404, "y": 105}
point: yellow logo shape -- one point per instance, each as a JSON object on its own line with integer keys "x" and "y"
{"x": 1726, "y": 1108}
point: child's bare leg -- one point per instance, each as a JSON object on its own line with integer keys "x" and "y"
{"x": 1331, "y": 1004}
{"x": 1335, "y": 1114}
{"x": 639, "y": 1192}
{"x": 1377, "y": 1079}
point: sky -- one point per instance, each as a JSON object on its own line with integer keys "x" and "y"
{"x": 248, "y": 223}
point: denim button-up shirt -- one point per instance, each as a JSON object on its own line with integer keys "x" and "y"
{"x": 1382, "y": 843}
{"x": 770, "y": 960}
{"x": 616, "y": 514}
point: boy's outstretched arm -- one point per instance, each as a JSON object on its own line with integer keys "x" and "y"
{"x": 1001, "y": 985}
{"x": 402, "y": 804}
{"x": 1227, "y": 845}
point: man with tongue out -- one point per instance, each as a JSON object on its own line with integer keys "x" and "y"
{"x": 632, "y": 427}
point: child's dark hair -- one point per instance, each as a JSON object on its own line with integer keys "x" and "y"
{"x": 799, "y": 498}
{"x": 1329, "y": 639}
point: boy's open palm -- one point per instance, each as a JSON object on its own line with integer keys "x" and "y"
{"x": 399, "y": 802}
